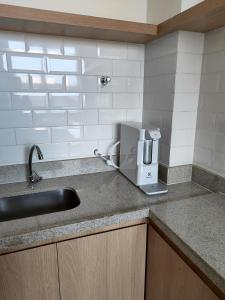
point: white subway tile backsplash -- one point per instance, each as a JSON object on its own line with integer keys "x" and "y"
{"x": 218, "y": 163}
{"x": 135, "y": 85}
{"x": 210, "y": 142}
{"x": 12, "y": 155}
{"x": 215, "y": 41}
{"x": 81, "y": 83}
{"x": 212, "y": 102}
{"x": 82, "y": 149}
{"x": 134, "y": 115}
{"x": 93, "y": 66}
{"x": 7, "y": 137}
{"x": 116, "y": 131}
{"x": 97, "y": 132}
{"x": 44, "y": 44}
{"x": 164, "y": 154}
{"x": 163, "y": 46}
{"x": 160, "y": 84}
{"x": 214, "y": 62}
{"x": 105, "y": 145}
{"x": 166, "y": 64}
{"x": 17, "y": 118}
{"x": 5, "y": 101}
{"x": 55, "y": 151}
{"x": 220, "y": 123}
{"x": 111, "y": 50}
{"x": 49, "y": 118}
{"x": 26, "y": 63}
{"x": 222, "y": 83}
{"x": 80, "y": 47}
{"x": 82, "y": 117}
{"x": 13, "y": 82}
{"x": 66, "y": 134}
{"x": 191, "y": 42}
{"x": 219, "y": 142}
{"x": 189, "y": 63}
{"x": 65, "y": 100}
{"x": 29, "y": 100}
{"x": 50, "y": 94}
{"x": 112, "y": 116}
{"x": 135, "y": 52}
{"x": 203, "y": 157}
{"x": 127, "y": 101}
{"x": 205, "y": 139}
{"x": 3, "y": 62}
{"x": 94, "y": 100}
{"x": 181, "y": 156}
{"x": 187, "y": 83}
{"x": 126, "y": 68}
{"x": 186, "y": 101}
{"x": 64, "y": 65}
{"x": 159, "y": 101}
{"x": 12, "y": 41}
{"x": 184, "y": 137}
{"x": 30, "y": 136}
{"x": 206, "y": 120}
{"x": 184, "y": 120}
{"x": 210, "y": 83}
{"x": 47, "y": 82}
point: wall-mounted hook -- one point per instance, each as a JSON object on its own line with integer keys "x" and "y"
{"x": 105, "y": 80}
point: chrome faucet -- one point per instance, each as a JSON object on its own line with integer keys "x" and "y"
{"x": 33, "y": 175}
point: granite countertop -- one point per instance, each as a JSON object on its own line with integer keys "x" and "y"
{"x": 197, "y": 226}
{"x": 191, "y": 216}
{"x": 106, "y": 198}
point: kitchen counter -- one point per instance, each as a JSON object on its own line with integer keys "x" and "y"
{"x": 197, "y": 227}
{"x": 106, "y": 198}
{"x": 191, "y": 216}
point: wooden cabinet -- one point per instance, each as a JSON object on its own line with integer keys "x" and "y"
{"x": 106, "y": 266}
{"x": 169, "y": 277}
{"x": 30, "y": 274}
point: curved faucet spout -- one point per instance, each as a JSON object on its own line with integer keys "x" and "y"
{"x": 33, "y": 175}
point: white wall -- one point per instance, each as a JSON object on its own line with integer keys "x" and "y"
{"x": 186, "y": 4}
{"x": 129, "y": 10}
{"x": 161, "y": 10}
{"x": 210, "y": 134}
{"x": 50, "y": 94}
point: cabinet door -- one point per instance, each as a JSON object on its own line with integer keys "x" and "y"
{"x": 106, "y": 266}
{"x": 30, "y": 275}
{"x": 169, "y": 277}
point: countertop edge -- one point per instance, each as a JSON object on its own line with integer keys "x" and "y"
{"x": 36, "y": 238}
{"x": 210, "y": 276}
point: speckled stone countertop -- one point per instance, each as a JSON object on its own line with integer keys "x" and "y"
{"x": 197, "y": 226}
{"x": 106, "y": 198}
{"x": 191, "y": 216}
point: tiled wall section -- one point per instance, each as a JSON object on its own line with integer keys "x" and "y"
{"x": 50, "y": 94}
{"x": 210, "y": 134}
{"x": 159, "y": 85}
{"x": 171, "y": 92}
{"x": 186, "y": 97}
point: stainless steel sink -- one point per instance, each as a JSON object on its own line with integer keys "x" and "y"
{"x": 34, "y": 204}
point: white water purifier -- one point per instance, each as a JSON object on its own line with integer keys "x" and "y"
{"x": 139, "y": 147}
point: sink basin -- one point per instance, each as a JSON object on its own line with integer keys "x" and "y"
{"x": 34, "y": 204}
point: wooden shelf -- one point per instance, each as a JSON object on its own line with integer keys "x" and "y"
{"x": 16, "y": 18}
{"x": 206, "y": 16}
